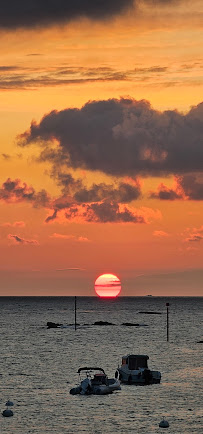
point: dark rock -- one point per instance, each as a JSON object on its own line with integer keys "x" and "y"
{"x": 72, "y": 324}
{"x": 199, "y": 342}
{"x": 53, "y": 325}
{"x": 151, "y": 313}
{"x": 130, "y": 324}
{"x": 102, "y": 323}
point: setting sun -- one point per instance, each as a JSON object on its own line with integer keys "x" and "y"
{"x": 107, "y": 285}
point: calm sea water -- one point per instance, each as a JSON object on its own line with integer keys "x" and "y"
{"x": 38, "y": 366}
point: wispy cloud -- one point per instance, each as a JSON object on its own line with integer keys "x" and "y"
{"x": 194, "y": 238}
{"x": 5, "y": 156}
{"x": 160, "y": 234}
{"x": 22, "y": 241}
{"x": 83, "y": 240}
{"x": 196, "y": 235}
{"x": 13, "y": 225}
{"x": 24, "y": 77}
{"x": 79, "y": 239}
{"x": 62, "y": 236}
{"x": 71, "y": 269}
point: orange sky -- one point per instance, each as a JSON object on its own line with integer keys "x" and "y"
{"x": 102, "y": 148}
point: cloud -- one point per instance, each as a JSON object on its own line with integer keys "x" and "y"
{"x": 122, "y": 137}
{"x": 188, "y": 187}
{"x": 100, "y": 203}
{"x": 69, "y": 237}
{"x": 6, "y": 156}
{"x": 152, "y": 69}
{"x": 52, "y": 217}
{"x": 122, "y": 191}
{"x": 196, "y": 235}
{"x": 18, "y": 240}
{"x": 165, "y": 193}
{"x": 160, "y": 234}
{"x": 35, "y": 13}
{"x": 104, "y": 212}
{"x": 83, "y": 240}
{"x": 62, "y": 236}
{"x": 16, "y": 77}
{"x": 34, "y": 54}
{"x": 71, "y": 269}
{"x": 37, "y": 80}
{"x": 8, "y": 68}
{"x": 89, "y": 203}
{"x": 66, "y": 180}
{"x": 14, "y": 191}
{"x": 192, "y": 186}
{"x": 125, "y": 193}
{"x": 28, "y": 14}
{"x": 13, "y": 225}
{"x": 194, "y": 238}
{"x": 26, "y": 78}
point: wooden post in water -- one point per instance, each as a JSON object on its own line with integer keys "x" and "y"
{"x": 75, "y": 311}
{"x": 167, "y": 319}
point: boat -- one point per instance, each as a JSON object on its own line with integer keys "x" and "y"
{"x": 95, "y": 382}
{"x": 134, "y": 370}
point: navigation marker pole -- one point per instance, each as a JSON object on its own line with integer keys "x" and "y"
{"x": 75, "y": 311}
{"x": 167, "y": 316}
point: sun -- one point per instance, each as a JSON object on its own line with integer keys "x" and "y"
{"x": 107, "y": 285}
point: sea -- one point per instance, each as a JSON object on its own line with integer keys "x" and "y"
{"x": 38, "y": 366}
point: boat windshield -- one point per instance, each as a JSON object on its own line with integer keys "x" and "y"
{"x": 99, "y": 379}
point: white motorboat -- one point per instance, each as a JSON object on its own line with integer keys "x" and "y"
{"x": 95, "y": 382}
{"x": 134, "y": 370}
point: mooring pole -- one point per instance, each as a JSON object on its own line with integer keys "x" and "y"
{"x": 167, "y": 317}
{"x": 75, "y": 311}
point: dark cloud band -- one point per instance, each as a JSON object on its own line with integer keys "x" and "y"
{"x": 34, "y": 13}
{"x": 27, "y": 13}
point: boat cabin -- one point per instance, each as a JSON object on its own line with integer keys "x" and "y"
{"x": 135, "y": 361}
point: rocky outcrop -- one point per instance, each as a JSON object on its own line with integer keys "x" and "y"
{"x": 53, "y": 325}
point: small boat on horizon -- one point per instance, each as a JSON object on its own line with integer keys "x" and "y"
{"x": 95, "y": 382}
{"x": 134, "y": 370}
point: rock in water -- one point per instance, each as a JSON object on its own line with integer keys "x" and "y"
{"x": 53, "y": 325}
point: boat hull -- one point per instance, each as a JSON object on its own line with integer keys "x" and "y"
{"x": 113, "y": 384}
{"x": 139, "y": 377}
{"x": 88, "y": 388}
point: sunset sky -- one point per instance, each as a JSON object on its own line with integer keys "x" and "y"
{"x": 101, "y": 146}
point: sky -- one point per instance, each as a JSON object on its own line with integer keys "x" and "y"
{"x": 101, "y": 146}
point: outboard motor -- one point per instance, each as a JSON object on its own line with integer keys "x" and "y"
{"x": 147, "y": 376}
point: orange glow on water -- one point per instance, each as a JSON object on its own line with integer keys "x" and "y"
{"x": 107, "y": 285}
